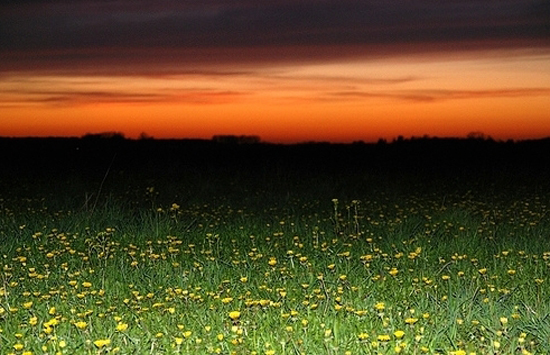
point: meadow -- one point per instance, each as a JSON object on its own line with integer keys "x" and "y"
{"x": 256, "y": 258}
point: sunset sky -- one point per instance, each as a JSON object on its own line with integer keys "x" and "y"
{"x": 285, "y": 70}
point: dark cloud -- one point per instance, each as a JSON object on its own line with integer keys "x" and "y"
{"x": 61, "y": 34}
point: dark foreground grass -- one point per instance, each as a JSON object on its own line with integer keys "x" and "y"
{"x": 274, "y": 264}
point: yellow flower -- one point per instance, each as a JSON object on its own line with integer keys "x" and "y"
{"x": 362, "y": 336}
{"x": 52, "y": 311}
{"x": 399, "y": 334}
{"x": 394, "y": 271}
{"x": 100, "y": 343}
{"x": 383, "y": 337}
{"x": 81, "y": 325}
{"x": 503, "y": 320}
{"x": 27, "y": 305}
{"x": 411, "y": 320}
{"x": 380, "y": 306}
{"x": 178, "y": 341}
{"x": 86, "y": 284}
{"x": 234, "y": 315}
{"x": 121, "y": 327}
{"x": 272, "y": 261}
{"x": 18, "y": 347}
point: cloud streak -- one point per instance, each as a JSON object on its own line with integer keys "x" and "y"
{"x": 441, "y": 95}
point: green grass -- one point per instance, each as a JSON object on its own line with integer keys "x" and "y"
{"x": 387, "y": 269}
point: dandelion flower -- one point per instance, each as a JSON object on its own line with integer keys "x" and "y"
{"x": 399, "y": 334}
{"x": 18, "y": 346}
{"x": 100, "y": 343}
{"x": 81, "y": 325}
{"x": 121, "y": 327}
{"x": 235, "y": 315}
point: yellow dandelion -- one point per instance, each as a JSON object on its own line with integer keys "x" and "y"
{"x": 411, "y": 320}
{"x": 18, "y": 346}
{"x": 380, "y": 306}
{"x": 399, "y": 334}
{"x": 121, "y": 327}
{"x": 100, "y": 343}
{"x": 81, "y": 325}
{"x": 235, "y": 315}
{"x": 383, "y": 337}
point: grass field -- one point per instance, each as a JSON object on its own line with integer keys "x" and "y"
{"x": 273, "y": 264}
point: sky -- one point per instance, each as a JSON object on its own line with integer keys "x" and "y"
{"x": 285, "y": 70}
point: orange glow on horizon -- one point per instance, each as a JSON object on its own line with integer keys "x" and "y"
{"x": 346, "y": 101}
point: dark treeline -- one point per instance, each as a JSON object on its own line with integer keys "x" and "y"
{"x": 244, "y": 166}
{"x": 430, "y": 155}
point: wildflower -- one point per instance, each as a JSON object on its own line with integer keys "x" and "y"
{"x": 383, "y": 337}
{"x": 81, "y": 325}
{"x": 411, "y": 321}
{"x": 121, "y": 327}
{"x": 399, "y": 334}
{"x": 393, "y": 271}
{"x": 272, "y": 261}
{"x": 380, "y": 306}
{"x": 27, "y": 305}
{"x": 234, "y": 315}
{"x": 178, "y": 341}
{"x": 100, "y": 343}
{"x": 18, "y": 347}
{"x": 503, "y": 321}
{"x": 363, "y": 336}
